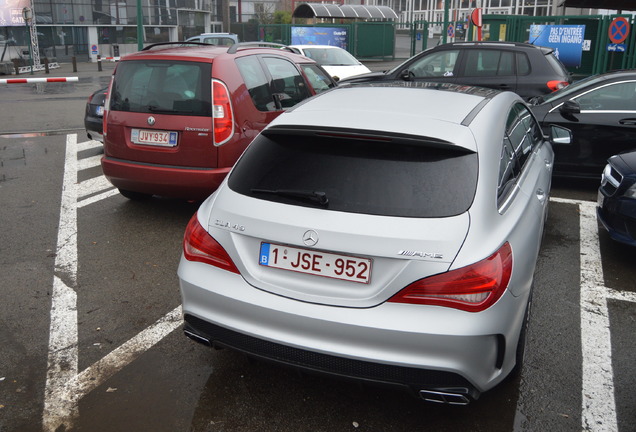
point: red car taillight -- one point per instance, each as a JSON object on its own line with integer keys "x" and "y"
{"x": 557, "y": 85}
{"x": 222, "y": 115}
{"x": 200, "y": 246}
{"x": 473, "y": 288}
{"x": 107, "y": 105}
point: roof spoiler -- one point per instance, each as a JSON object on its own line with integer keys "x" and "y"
{"x": 257, "y": 44}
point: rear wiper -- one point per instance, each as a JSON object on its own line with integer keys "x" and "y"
{"x": 313, "y": 196}
{"x": 155, "y": 108}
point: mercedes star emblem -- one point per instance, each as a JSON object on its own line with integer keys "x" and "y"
{"x": 310, "y": 238}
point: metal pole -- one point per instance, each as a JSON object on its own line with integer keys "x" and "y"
{"x": 27, "y": 15}
{"x": 140, "y": 27}
{"x": 445, "y": 29}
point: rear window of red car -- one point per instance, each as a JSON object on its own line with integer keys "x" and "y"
{"x": 165, "y": 87}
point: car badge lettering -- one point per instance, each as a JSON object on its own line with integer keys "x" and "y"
{"x": 420, "y": 254}
{"x": 310, "y": 238}
{"x": 229, "y": 225}
{"x": 151, "y": 120}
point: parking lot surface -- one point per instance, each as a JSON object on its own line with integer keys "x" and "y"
{"x": 91, "y": 327}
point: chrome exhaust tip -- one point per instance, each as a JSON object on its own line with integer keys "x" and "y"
{"x": 444, "y": 397}
{"x": 195, "y": 337}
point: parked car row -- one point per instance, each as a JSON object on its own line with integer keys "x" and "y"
{"x": 342, "y": 240}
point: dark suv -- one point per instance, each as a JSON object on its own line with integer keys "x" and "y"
{"x": 179, "y": 115}
{"x": 526, "y": 69}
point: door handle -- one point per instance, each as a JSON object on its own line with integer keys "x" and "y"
{"x": 541, "y": 195}
{"x": 628, "y": 121}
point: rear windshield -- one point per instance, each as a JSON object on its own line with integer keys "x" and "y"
{"x": 166, "y": 87}
{"x": 391, "y": 177}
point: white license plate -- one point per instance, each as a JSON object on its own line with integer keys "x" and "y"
{"x": 100, "y": 110}
{"x": 154, "y": 137}
{"x": 599, "y": 199}
{"x": 317, "y": 263}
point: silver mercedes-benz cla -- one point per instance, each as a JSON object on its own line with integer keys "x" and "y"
{"x": 384, "y": 232}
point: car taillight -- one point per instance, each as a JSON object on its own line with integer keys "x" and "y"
{"x": 222, "y": 115}
{"x": 200, "y": 246}
{"x": 107, "y": 105}
{"x": 473, "y": 288}
{"x": 557, "y": 85}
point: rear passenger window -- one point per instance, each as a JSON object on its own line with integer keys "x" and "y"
{"x": 256, "y": 82}
{"x": 484, "y": 63}
{"x": 317, "y": 78}
{"x": 287, "y": 83}
{"x": 508, "y": 172}
{"x": 523, "y": 64}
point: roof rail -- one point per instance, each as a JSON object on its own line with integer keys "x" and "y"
{"x": 234, "y": 48}
{"x": 179, "y": 43}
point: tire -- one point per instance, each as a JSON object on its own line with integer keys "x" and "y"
{"x": 134, "y": 196}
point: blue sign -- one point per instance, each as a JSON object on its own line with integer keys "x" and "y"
{"x": 616, "y": 47}
{"x": 566, "y": 40}
{"x": 334, "y": 36}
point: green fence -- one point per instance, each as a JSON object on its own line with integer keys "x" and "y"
{"x": 596, "y": 60}
{"x": 367, "y": 40}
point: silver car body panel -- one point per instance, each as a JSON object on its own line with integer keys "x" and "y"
{"x": 352, "y": 320}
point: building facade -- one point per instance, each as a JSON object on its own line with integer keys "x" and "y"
{"x": 88, "y": 28}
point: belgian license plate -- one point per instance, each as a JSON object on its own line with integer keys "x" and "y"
{"x": 154, "y": 137}
{"x": 100, "y": 110}
{"x": 317, "y": 263}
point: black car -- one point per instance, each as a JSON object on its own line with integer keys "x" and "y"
{"x": 526, "y": 69}
{"x": 617, "y": 198}
{"x": 601, "y": 113}
{"x": 94, "y": 115}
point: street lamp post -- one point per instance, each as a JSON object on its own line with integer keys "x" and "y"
{"x": 27, "y": 14}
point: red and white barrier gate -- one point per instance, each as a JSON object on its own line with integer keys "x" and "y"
{"x": 37, "y": 80}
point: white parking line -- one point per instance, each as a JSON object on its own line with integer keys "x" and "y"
{"x": 598, "y": 403}
{"x": 65, "y": 386}
{"x": 60, "y": 402}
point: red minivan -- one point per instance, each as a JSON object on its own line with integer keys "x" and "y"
{"x": 178, "y": 115}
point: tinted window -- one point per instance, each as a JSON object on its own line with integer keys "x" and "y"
{"x": 392, "y": 178}
{"x": 517, "y": 131}
{"x": 435, "y": 65}
{"x": 181, "y": 88}
{"x": 287, "y": 83}
{"x": 317, "y": 78}
{"x": 489, "y": 63}
{"x": 523, "y": 64}
{"x": 256, "y": 82}
{"x": 508, "y": 171}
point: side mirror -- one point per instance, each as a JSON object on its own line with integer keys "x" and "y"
{"x": 560, "y": 135}
{"x": 406, "y": 75}
{"x": 570, "y": 107}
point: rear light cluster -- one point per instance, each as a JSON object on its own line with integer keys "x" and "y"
{"x": 473, "y": 288}
{"x": 557, "y": 85}
{"x": 222, "y": 115}
{"x": 106, "y": 106}
{"x": 200, "y": 246}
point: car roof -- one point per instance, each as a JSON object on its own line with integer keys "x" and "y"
{"x": 204, "y": 52}
{"x": 315, "y": 46}
{"x": 407, "y": 108}
{"x": 494, "y": 44}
